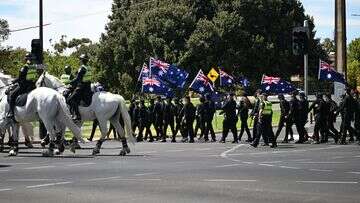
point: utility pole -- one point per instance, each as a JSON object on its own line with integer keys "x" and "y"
{"x": 41, "y": 36}
{"x": 340, "y": 36}
{"x": 306, "y": 60}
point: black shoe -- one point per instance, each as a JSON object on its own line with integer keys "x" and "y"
{"x": 299, "y": 142}
{"x": 191, "y": 141}
{"x": 173, "y": 140}
{"x": 235, "y": 141}
{"x": 253, "y": 145}
{"x": 248, "y": 140}
{"x": 273, "y": 146}
{"x": 291, "y": 139}
{"x": 164, "y": 140}
{"x": 265, "y": 144}
{"x": 151, "y": 140}
{"x": 213, "y": 140}
{"x": 285, "y": 141}
{"x": 222, "y": 141}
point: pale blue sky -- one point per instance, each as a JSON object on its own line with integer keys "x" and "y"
{"x": 70, "y": 17}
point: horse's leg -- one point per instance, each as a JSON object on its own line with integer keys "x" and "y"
{"x": 14, "y": 149}
{"x": 2, "y": 136}
{"x": 50, "y": 127}
{"x": 103, "y": 130}
{"x": 60, "y": 136}
{"x": 28, "y": 132}
{"x": 121, "y": 132}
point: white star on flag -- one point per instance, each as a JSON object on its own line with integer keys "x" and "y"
{"x": 267, "y": 88}
{"x": 151, "y": 89}
{"x": 329, "y": 76}
{"x": 201, "y": 89}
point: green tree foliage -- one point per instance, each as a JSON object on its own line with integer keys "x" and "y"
{"x": 11, "y": 60}
{"x": 4, "y": 30}
{"x": 353, "y": 67}
{"x": 245, "y": 37}
{"x": 328, "y": 45}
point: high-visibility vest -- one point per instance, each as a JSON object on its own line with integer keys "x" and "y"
{"x": 88, "y": 75}
{"x": 32, "y": 74}
{"x": 65, "y": 78}
{"x": 267, "y": 108}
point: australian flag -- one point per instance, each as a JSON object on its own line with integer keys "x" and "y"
{"x": 144, "y": 73}
{"x": 276, "y": 85}
{"x": 226, "y": 79}
{"x": 154, "y": 85}
{"x": 326, "y": 72}
{"x": 244, "y": 81}
{"x": 168, "y": 73}
{"x": 201, "y": 84}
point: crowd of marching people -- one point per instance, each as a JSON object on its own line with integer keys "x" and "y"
{"x": 183, "y": 118}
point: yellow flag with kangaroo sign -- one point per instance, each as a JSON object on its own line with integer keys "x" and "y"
{"x": 213, "y": 75}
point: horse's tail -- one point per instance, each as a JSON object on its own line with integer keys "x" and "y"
{"x": 65, "y": 118}
{"x": 127, "y": 121}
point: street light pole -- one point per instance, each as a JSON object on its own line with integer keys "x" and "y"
{"x": 306, "y": 61}
{"x": 340, "y": 36}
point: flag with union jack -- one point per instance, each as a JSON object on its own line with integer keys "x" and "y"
{"x": 154, "y": 85}
{"x": 276, "y": 85}
{"x": 168, "y": 73}
{"x": 326, "y": 72}
{"x": 144, "y": 73}
{"x": 201, "y": 84}
{"x": 226, "y": 79}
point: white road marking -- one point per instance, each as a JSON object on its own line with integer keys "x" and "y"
{"x": 224, "y": 180}
{"x": 5, "y": 189}
{"x": 39, "y": 167}
{"x": 271, "y": 162}
{"x": 301, "y": 160}
{"x": 266, "y": 165}
{"x": 176, "y": 150}
{"x": 248, "y": 162}
{"x": 357, "y": 156}
{"x": 321, "y": 162}
{"x": 337, "y": 157}
{"x": 147, "y": 152}
{"x": 145, "y": 174}
{"x": 289, "y": 167}
{"x": 327, "y": 182}
{"x": 48, "y": 184}
{"x": 225, "y": 154}
{"x": 134, "y": 179}
{"x": 321, "y": 170}
{"x": 4, "y": 170}
{"x": 354, "y": 172}
{"x": 106, "y": 178}
{"x": 82, "y": 164}
{"x": 229, "y": 165}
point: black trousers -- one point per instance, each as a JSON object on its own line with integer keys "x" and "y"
{"x": 255, "y": 120}
{"x": 332, "y": 130}
{"x": 209, "y": 129}
{"x": 244, "y": 128}
{"x": 178, "y": 127}
{"x": 148, "y": 132}
{"x": 319, "y": 128}
{"x": 284, "y": 122}
{"x": 168, "y": 123}
{"x": 345, "y": 128}
{"x": 229, "y": 125}
{"x": 264, "y": 129}
{"x": 188, "y": 130}
{"x": 158, "y": 128}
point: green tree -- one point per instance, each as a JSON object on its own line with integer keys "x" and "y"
{"x": 353, "y": 67}
{"x": 328, "y": 45}
{"x": 4, "y": 30}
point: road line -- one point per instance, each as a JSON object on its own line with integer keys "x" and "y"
{"x": 5, "y": 189}
{"x": 39, "y": 167}
{"x": 357, "y": 156}
{"x": 176, "y": 150}
{"x": 135, "y": 179}
{"x": 229, "y": 165}
{"x": 224, "y": 180}
{"x": 289, "y": 167}
{"x": 248, "y": 162}
{"x": 327, "y": 182}
{"x": 266, "y": 165}
{"x": 202, "y": 149}
{"x": 82, "y": 164}
{"x": 225, "y": 154}
{"x": 48, "y": 184}
{"x": 321, "y": 162}
{"x": 147, "y": 152}
{"x": 354, "y": 172}
{"x": 321, "y": 170}
{"x": 145, "y": 174}
{"x": 29, "y": 180}
{"x": 106, "y": 178}
{"x": 301, "y": 160}
{"x": 271, "y": 162}
{"x": 4, "y": 170}
{"x": 337, "y": 157}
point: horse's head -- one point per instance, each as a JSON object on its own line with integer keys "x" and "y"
{"x": 50, "y": 81}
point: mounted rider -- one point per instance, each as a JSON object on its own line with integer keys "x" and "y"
{"x": 82, "y": 87}
{"x": 25, "y": 83}
{"x": 67, "y": 76}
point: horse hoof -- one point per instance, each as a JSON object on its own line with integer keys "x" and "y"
{"x": 95, "y": 151}
{"x": 43, "y": 143}
{"x": 12, "y": 153}
{"x": 127, "y": 150}
{"x": 122, "y": 153}
{"x": 48, "y": 153}
{"x": 57, "y": 152}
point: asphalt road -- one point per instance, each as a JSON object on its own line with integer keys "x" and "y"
{"x": 177, "y": 172}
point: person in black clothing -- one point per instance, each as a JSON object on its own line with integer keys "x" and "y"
{"x": 255, "y": 111}
{"x": 169, "y": 116}
{"x": 331, "y": 118}
{"x": 243, "y": 112}
{"x": 188, "y": 116}
{"x": 209, "y": 117}
{"x": 25, "y": 83}
{"x": 158, "y": 117}
{"x": 284, "y": 119}
{"x": 320, "y": 113}
{"x": 357, "y": 116}
{"x": 150, "y": 121}
{"x": 136, "y": 117}
{"x": 303, "y": 114}
{"x": 201, "y": 112}
{"x": 178, "y": 107}
{"x": 295, "y": 116}
{"x": 230, "y": 119}
{"x": 347, "y": 109}
{"x": 82, "y": 87}
{"x": 143, "y": 120}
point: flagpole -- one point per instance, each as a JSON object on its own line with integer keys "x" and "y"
{"x": 319, "y": 69}
{"x": 195, "y": 78}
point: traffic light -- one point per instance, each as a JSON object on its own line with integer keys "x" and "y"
{"x": 36, "y": 51}
{"x": 300, "y": 42}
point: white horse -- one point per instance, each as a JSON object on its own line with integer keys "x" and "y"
{"x": 26, "y": 128}
{"x": 45, "y": 104}
{"x": 104, "y": 107}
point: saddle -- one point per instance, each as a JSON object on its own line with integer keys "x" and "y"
{"x": 21, "y": 100}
